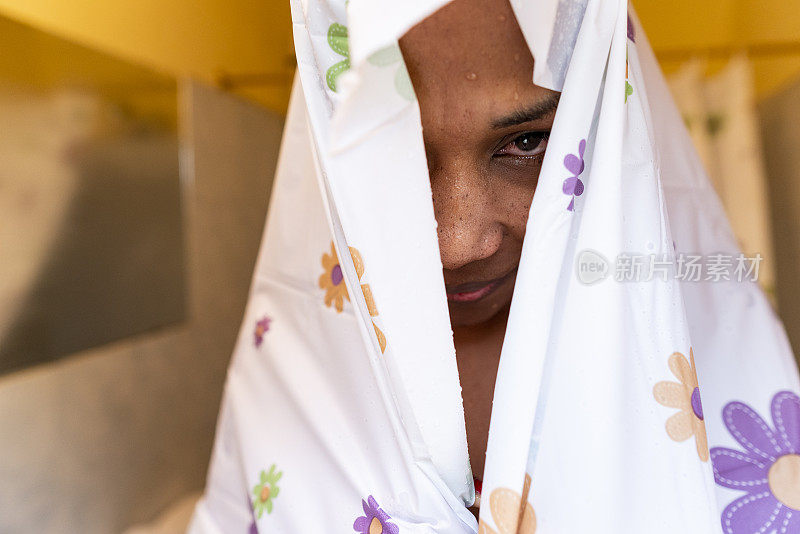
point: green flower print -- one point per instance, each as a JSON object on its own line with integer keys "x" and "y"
{"x": 337, "y": 39}
{"x": 266, "y": 490}
{"x": 628, "y": 86}
{"x": 389, "y": 56}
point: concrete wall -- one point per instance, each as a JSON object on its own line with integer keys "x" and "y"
{"x": 780, "y": 131}
{"x": 112, "y": 436}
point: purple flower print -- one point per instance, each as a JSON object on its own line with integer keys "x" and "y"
{"x": 374, "y": 520}
{"x": 262, "y": 327}
{"x": 253, "y": 526}
{"x": 631, "y": 30}
{"x": 768, "y": 469}
{"x": 573, "y": 186}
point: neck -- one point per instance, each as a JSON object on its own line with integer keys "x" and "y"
{"x": 477, "y": 354}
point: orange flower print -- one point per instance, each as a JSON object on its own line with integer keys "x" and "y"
{"x": 685, "y": 396}
{"x": 358, "y": 263}
{"x": 332, "y": 281}
{"x": 512, "y": 513}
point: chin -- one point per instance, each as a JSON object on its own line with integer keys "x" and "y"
{"x": 474, "y": 313}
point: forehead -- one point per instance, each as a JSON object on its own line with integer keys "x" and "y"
{"x": 469, "y": 61}
{"x": 466, "y": 32}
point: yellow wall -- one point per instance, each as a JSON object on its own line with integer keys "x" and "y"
{"x": 202, "y": 38}
{"x": 680, "y": 24}
{"x": 772, "y": 20}
{"x": 207, "y": 37}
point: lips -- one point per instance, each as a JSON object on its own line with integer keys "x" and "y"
{"x": 473, "y": 291}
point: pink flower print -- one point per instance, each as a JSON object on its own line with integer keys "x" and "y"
{"x": 573, "y": 186}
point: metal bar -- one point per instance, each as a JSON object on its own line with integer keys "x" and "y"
{"x": 230, "y": 82}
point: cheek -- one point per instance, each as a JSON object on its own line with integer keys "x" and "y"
{"x": 513, "y": 205}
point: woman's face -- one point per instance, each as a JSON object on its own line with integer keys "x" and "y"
{"x": 485, "y": 127}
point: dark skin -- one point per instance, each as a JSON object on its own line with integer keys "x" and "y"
{"x": 485, "y": 127}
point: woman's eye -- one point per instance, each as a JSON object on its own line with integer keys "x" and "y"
{"x": 527, "y": 144}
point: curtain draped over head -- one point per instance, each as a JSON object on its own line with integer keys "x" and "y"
{"x": 342, "y": 410}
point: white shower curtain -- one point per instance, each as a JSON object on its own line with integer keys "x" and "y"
{"x": 342, "y": 410}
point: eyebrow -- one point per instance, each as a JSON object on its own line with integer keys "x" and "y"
{"x": 535, "y": 112}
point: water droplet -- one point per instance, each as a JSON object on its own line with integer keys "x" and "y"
{"x": 472, "y": 76}
{"x": 516, "y": 95}
{"x": 516, "y": 57}
{"x": 501, "y": 18}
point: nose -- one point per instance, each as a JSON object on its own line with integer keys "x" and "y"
{"x": 463, "y": 204}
